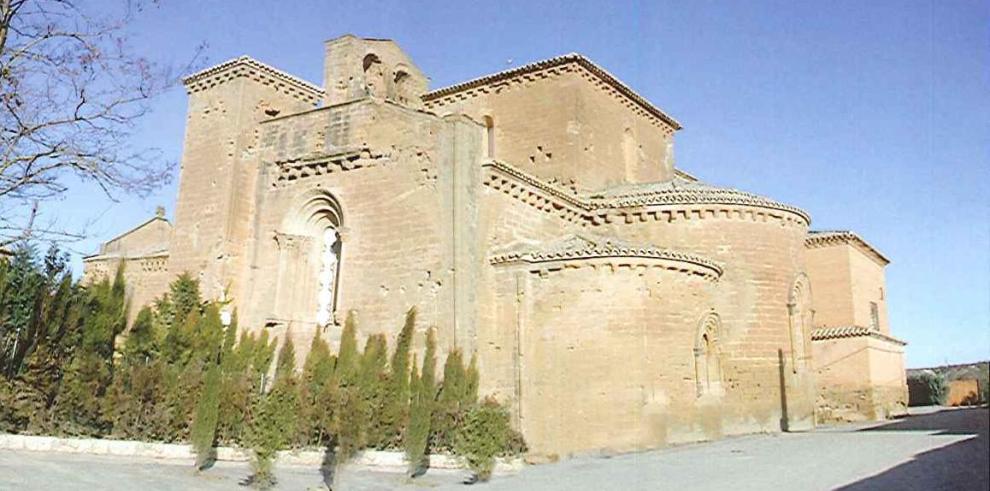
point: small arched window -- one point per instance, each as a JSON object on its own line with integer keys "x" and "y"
{"x": 401, "y": 86}
{"x": 800, "y": 319}
{"x": 707, "y": 356}
{"x": 490, "y": 136}
{"x": 374, "y": 77}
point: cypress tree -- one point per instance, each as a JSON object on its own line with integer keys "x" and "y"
{"x": 315, "y": 413}
{"x": 472, "y": 379}
{"x": 373, "y": 387}
{"x": 285, "y": 365}
{"x": 207, "y": 335}
{"x": 263, "y": 353}
{"x": 240, "y": 383}
{"x": 272, "y": 427}
{"x": 204, "y": 429}
{"x": 454, "y": 386}
{"x": 450, "y": 401}
{"x": 423, "y": 390}
{"x": 347, "y": 356}
{"x": 229, "y": 337}
{"x": 395, "y": 414}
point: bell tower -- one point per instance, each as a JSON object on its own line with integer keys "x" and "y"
{"x": 355, "y": 68}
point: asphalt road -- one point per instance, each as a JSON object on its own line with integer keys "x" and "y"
{"x": 944, "y": 450}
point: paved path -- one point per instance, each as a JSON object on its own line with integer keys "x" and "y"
{"x": 944, "y": 450}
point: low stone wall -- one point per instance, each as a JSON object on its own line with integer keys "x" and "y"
{"x": 372, "y": 459}
{"x": 846, "y": 405}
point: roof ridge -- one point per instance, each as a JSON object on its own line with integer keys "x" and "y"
{"x": 247, "y": 60}
{"x": 824, "y": 237}
{"x": 552, "y": 62}
{"x": 692, "y": 193}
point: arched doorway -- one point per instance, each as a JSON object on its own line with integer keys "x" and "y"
{"x": 310, "y": 248}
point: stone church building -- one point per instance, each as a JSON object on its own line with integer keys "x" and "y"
{"x": 536, "y": 219}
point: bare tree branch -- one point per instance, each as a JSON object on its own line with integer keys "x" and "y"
{"x": 71, "y": 94}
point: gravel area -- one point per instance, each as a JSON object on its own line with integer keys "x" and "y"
{"x": 947, "y": 450}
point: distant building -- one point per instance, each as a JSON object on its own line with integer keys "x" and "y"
{"x": 859, "y": 365}
{"x": 534, "y": 216}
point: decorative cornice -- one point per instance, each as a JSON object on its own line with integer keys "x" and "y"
{"x": 825, "y": 333}
{"x": 586, "y": 247}
{"x": 595, "y": 207}
{"x": 245, "y": 66}
{"x": 164, "y": 253}
{"x": 596, "y": 70}
{"x": 291, "y": 170}
{"x": 826, "y": 238}
{"x": 680, "y": 191}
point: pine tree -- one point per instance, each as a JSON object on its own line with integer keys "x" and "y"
{"x": 185, "y": 296}
{"x": 79, "y": 404}
{"x": 180, "y": 311}
{"x": 21, "y": 290}
{"x": 141, "y": 345}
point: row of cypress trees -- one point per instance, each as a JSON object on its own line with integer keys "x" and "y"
{"x": 358, "y": 399}
{"x": 180, "y": 375}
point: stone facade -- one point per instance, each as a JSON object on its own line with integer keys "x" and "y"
{"x": 859, "y": 366}
{"x": 143, "y": 252}
{"x": 535, "y": 217}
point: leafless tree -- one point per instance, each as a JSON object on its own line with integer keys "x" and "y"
{"x": 71, "y": 93}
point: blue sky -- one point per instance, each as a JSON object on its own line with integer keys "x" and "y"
{"x": 873, "y": 116}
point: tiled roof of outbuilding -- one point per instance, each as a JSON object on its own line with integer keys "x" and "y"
{"x": 824, "y": 333}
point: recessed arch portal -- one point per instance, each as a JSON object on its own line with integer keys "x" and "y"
{"x": 310, "y": 247}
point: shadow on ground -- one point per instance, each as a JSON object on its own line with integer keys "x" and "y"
{"x": 959, "y": 466}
